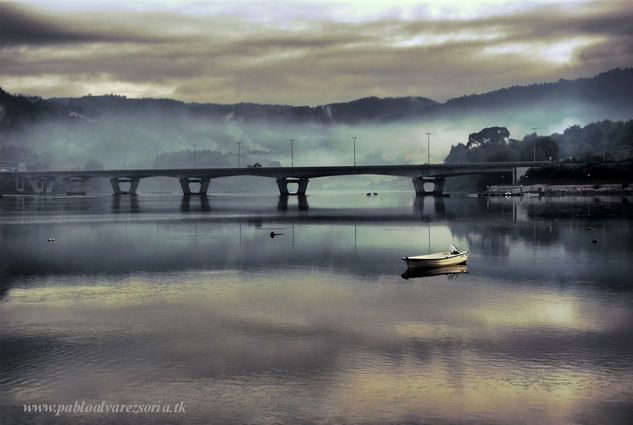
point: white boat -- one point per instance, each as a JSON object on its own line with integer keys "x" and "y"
{"x": 438, "y": 259}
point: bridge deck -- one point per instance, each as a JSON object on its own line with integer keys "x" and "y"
{"x": 407, "y": 170}
{"x": 45, "y": 181}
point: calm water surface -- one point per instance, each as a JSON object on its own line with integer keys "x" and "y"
{"x": 160, "y": 299}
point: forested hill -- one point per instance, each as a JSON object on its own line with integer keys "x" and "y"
{"x": 613, "y": 88}
{"x": 604, "y": 140}
{"x": 17, "y": 111}
{"x": 605, "y": 92}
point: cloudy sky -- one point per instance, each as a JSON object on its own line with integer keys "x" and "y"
{"x": 305, "y": 52}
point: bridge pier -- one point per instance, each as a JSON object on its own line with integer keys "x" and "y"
{"x": 302, "y": 183}
{"x": 116, "y": 185}
{"x": 185, "y": 183}
{"x": 41, "y": 185}
{"x": 517, "y": 173}
{"x": 19, "y": 184}
{"x": 438, "y": 186}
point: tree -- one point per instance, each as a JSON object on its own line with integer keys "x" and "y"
{"x": 457, "y": 154}
{"x": 542, "y": 149}
{"x": 546, "y": 148}
{"x": 488, "y": 136}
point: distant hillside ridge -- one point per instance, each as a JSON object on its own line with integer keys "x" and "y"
{"x": 609, "y": 90}
{"x": 614, "y": 87}
{"x": 19, "y": 110}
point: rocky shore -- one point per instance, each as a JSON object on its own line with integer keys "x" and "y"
{"x": 560, "y": 190}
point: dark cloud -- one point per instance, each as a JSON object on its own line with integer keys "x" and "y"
{"x": 554, "y": 23}
{"x": 230, "y": 59}
{"x": 20, "y": 25}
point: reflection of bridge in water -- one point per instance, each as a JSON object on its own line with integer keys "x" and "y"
{"x": 422, "y": 209}
{"x": 114, "y": 235}
{"x": 428, "y": 179}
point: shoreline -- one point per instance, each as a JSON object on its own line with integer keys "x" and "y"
{"x": 624, "y": 189}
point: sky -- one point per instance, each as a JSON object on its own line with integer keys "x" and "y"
{"x": 305, "y": 52}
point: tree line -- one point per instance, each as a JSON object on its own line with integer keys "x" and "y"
{"x": 604, "y": 140}
{"x": 601, "y": 151}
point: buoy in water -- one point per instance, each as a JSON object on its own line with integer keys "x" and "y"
{"x": 594, "y": 241}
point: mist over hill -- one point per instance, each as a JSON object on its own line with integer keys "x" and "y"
{"x": 116, "y": 131}
{"x": 604, "y": 92}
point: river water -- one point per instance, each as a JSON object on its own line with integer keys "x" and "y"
{"x": 160, "y": 300}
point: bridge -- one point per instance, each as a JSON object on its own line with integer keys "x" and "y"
{"x": 423, "y": 176}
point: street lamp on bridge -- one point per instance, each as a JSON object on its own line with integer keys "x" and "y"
{"x": 354, "y": 138}
{"x": 534, "y": 144}
{"x": 292, "y": 152}
{"x": 239, "y": 154}
{"x": 194, "y": 154}
{"x": 428, "y": 148}
{"x": 155, "y": 155}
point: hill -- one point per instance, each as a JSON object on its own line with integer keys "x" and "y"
{"x": 611, "y": 89}
{"x": 117, "y": 131}
{"x": 18, "y": 111}
{"x": 604, "y": 92}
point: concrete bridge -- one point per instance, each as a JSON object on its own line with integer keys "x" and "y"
{"x": 43, "y": 181}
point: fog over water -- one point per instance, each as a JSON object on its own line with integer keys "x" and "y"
{"x": 146, "y": 138}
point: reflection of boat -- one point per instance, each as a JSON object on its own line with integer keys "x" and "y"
{"x": 439, "y": 259}
{"x": 435, "y": 271}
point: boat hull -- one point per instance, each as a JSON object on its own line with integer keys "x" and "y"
{"x": 436, "y": 260}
